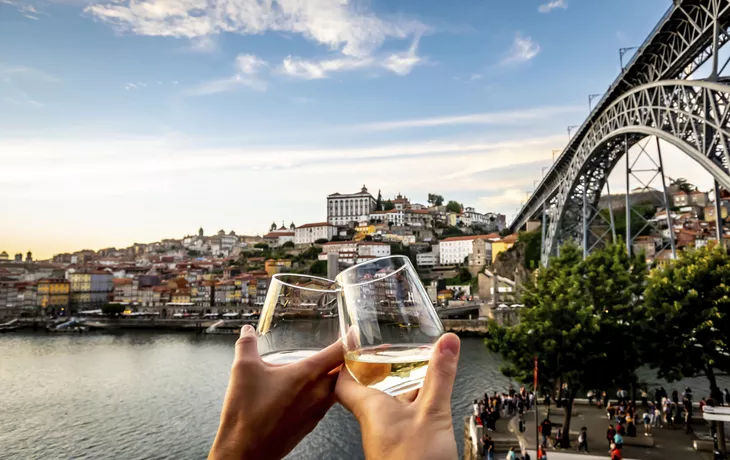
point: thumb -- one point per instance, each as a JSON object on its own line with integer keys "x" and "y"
{"x": 436, "y": 392}
{"x": 246, "y": 345}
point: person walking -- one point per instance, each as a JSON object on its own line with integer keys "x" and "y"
{"x": 610, "y": 433}
{"x": 541, "y": 454}
{"x": 583, "y": 439}
{"x": 727, "y": 397}
{"x": 647, "y": 422}
{"x": 511, "y": 454}
{"x": 545, "y": 428}
{"x": 615, "y": 452}
{"x": 675, "y": 396}
{"x": 488, "y": 447}
{"x": 688, "y": 421}
{"x": 618, "y": 440}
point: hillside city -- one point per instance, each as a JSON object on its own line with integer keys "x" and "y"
{"x": 453, "y": 247}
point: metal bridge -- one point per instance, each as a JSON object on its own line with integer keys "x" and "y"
{"x": 654, "y": 96}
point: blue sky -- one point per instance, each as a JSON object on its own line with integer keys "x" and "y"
{"x": 132, "y": 121}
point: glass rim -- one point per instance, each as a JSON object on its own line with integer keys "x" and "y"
{"x": 397, "y": 256}
{"x": 277, "y": 277}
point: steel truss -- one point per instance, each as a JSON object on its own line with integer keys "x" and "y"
{"x": 691, "y": 115}
{"x": 684, "y": 39}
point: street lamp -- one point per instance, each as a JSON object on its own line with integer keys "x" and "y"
{"x": 621, "y": 52}
{"x": 590, "y": 101}
{"x": 570, "y": 130}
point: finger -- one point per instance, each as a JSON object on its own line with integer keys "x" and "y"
{"x": 323, "y": 389}
{"x": 325, "y": 360}
{"x": 408, "y": 397}
{"x": 246, "y": 345}
{"x": 436, "y": 391}
{"x": 350, "y": 392}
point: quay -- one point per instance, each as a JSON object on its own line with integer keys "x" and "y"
{"x": 664, "y": 443}
{"x": 161, "y": 324}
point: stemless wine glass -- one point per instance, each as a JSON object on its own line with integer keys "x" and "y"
{"x": 388, "y": 324}
{"x": 298, "y": 319}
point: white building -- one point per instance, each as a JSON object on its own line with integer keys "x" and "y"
{"x": 455, "y": 249}
{"x": 469, "y": 216}
{"x": 343, "y": 209}
{"x": 278, "y": 238}
{"x": 309, "y": 233}
{"x": 352, "y": 252}
{"x": 394, "y": 215}
{"x": 428, "y": 259}
{"x": 373, "y": 249}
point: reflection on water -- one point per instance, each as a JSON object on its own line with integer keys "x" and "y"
{"x": 143, "y": 396}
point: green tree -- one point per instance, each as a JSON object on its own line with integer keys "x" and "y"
{"x": 577, "y": 321}
{"x": 453, "y": 206}
{"x": 682, "y": 184}
{"x": 435, "y": 200}
{"x": 464, "y": 276}
{"x": 379, "y": 202}
{"x": 388, "y": 205}
{"x": 638, "y": 225}
{"x": 263, "y": 246}
{"x": 451, "y": 231}
{"x": 321, "y": 241}
{"x": 688, "y": 305}
{"x": 288, "y": 245}
{"x": 319, "y": 268}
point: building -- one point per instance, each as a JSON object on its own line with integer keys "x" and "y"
{"x": 309, "y": 233}
{"x": 343, "y": 209}
{"x": 274, "y": 266}
{"x": 481, "y": 253}
{"x": 393, "y": 217}
{"x": 680, "y": 199}
{"x": 90, "y": 289}
{"x": 455, "y": 249}
{"x": 698, "y": 198}
{"x": 501, "y": 245}
{"x": 4, "y": 256}
{"x": 372, "y": 249}
{"x": 428, "y": 259}
{"x": 53, "y": 296}
{"x": 123, "y": 288}
{"x": 277, "y": 239}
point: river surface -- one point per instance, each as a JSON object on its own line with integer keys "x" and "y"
{"x": 158, "y": 396}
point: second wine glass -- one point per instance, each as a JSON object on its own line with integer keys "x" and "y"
{"x": 388, "y": 324}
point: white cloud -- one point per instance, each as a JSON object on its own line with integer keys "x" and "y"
{"x": 402, "y": 63}
{"x": 523, "y": 49}
{"x": 27, "y": 10}
{"x": 475, "y": 76}
{"x": 549, "y": 6}
{"x": 487, "y": 118}
{"x": 248, "y": 64}
{"x": 248, "y": 68}
{"x": 302, "y": 100}
{"x": 340, "y": 25}
{"x": 318, "y": 69}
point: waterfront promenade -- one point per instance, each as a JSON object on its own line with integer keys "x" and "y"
{"x": 669, "y": 444}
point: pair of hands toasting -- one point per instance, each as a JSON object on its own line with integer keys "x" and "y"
{"x": 269, "y": 408}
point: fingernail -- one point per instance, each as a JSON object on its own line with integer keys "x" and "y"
{"x": 247, "y": 329}
{"x": 450, "y": 345}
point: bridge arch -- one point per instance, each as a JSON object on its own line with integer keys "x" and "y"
{"x": 694, "y": 116}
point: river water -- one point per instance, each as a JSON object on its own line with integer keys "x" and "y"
{"x": 158, "y": 396}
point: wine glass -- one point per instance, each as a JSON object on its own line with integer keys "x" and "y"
{"x": 388, "y": 324}
{"x": 298, "y": 319}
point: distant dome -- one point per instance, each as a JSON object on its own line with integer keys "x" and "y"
{"x": 232, "y": 233}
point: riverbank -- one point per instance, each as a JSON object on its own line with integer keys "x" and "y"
{"x": 664, "y": 443}
{"x": 463, "y": 328}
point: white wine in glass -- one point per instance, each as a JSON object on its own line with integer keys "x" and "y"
{"x": 388, "y": 324}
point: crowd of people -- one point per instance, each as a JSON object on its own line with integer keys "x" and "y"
{"x": 488, "y": 410}
{"x": 658, "y": 409}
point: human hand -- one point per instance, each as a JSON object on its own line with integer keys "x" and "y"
{"x": 269, "y": 408}
{"x": 412, "y": 425}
